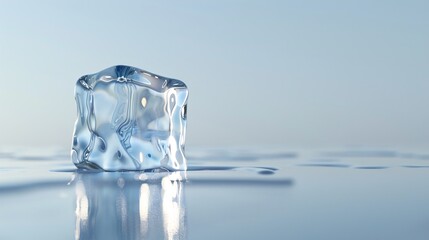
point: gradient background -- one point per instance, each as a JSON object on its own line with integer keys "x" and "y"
{"x": 290, "y": 73}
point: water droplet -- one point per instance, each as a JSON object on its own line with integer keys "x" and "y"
{"x": 266, "y": 172}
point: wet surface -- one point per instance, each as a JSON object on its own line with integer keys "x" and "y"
{"x": 226, "y": 194}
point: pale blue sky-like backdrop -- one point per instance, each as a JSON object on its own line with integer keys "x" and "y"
{"x": 290, "y": 73}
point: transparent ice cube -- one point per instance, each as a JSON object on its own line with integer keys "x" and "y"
{"x": 129, "y": 119}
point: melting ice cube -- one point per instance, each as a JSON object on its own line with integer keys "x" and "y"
{"x": 129, "y": 119}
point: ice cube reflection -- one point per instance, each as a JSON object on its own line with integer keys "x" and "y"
{"x": 130, "y": 205}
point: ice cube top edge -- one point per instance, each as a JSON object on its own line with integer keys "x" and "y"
{"x": 123, "y": 73}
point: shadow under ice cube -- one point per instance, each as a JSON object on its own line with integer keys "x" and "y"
{"x": 129, "y": 119}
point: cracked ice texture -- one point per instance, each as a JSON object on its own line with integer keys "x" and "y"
{"x": 129, "y": 119}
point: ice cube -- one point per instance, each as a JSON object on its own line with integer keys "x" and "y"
{"x": 129, "y": 119}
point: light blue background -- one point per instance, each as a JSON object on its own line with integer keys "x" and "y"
{"x": 292, "y": 73}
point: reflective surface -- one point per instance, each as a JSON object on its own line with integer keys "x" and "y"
{"x": 129, "y": 119}
{"x": 226, "y": 194}
{"x": 129, "y": 206}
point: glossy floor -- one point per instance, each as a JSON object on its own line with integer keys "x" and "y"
{"x": 234, "y": 193}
